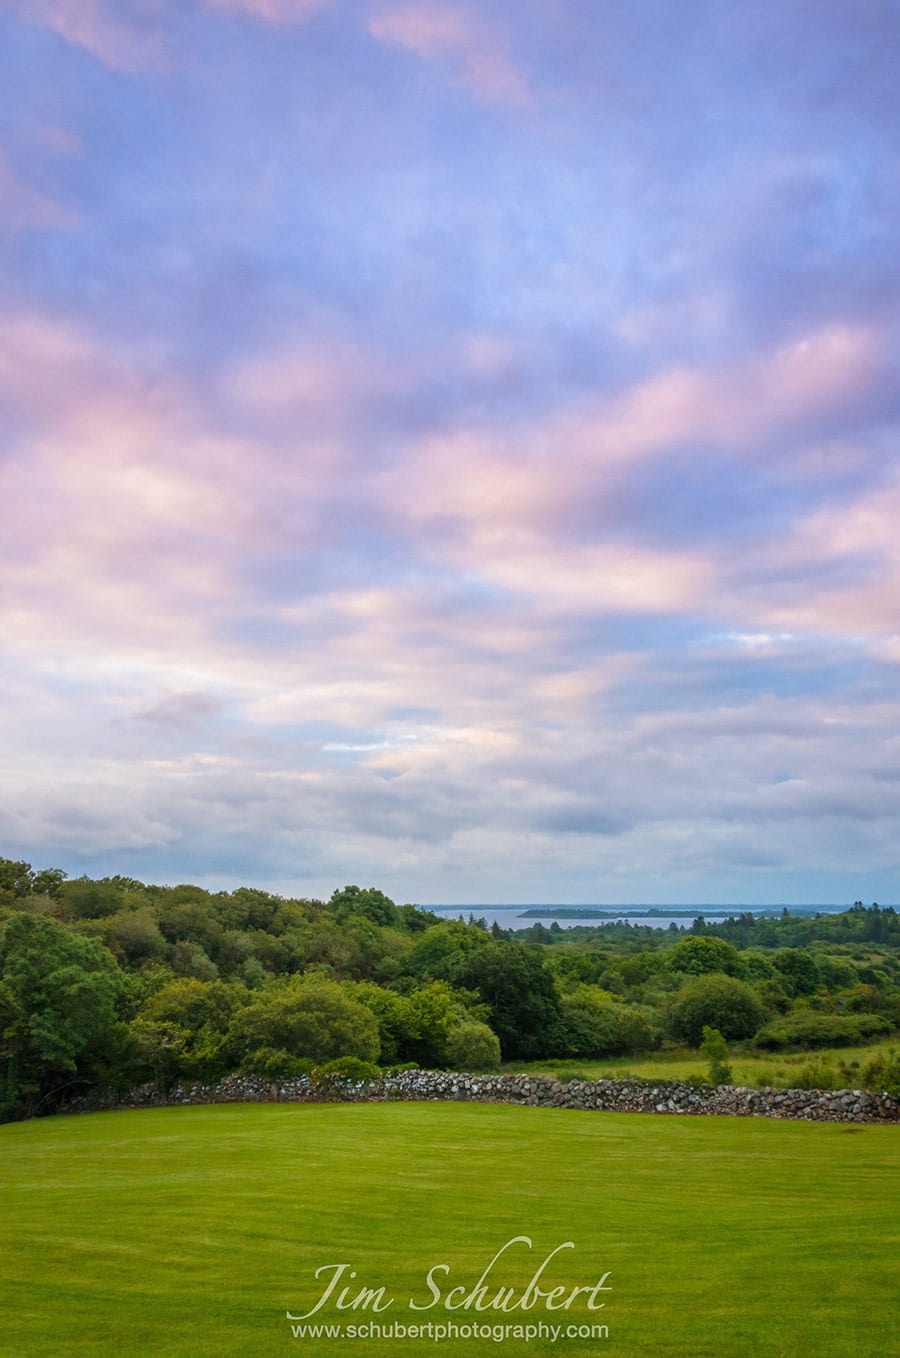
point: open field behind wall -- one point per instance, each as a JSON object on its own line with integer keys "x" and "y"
{"x": 192, "y": 1231}
{"x": 786, "y": 1070}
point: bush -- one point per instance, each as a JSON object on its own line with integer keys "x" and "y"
{"x": 277, "y": 1064}
{"x": 593, "y": 1025}
{"x": 818, "y": 1074}
{"x": 716, "y": 1001}
{"x": 345, "y": 1068}
{"x": 808, "y": 1028}
{"x": 308, "y": 1017}
{"x": 715, "y": 1049}
{"x": 882, "y": 1074}
{"x": 473, "y": 1046}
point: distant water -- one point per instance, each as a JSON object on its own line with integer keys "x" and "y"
{"x": 516, "y": 917}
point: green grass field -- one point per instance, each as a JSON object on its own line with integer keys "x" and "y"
{"x": 191, "y": 1231}
{"x": 749, "y": 1068}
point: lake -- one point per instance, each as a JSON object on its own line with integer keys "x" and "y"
{"x": 511, "y": 916}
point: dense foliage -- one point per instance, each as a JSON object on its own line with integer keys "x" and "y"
{"x": 112, "y": 981}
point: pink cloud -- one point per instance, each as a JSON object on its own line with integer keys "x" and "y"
{"x": 742, "y": 406}
{"x": 98, "y": 27}
{"x": 132, "y": 514}
{"x": 837, "y": 572}
{"x": 502, "y": 504}
{"x": 330, "y": 378}
{"x": 529, "y": 480}
{"x": 59, "y": 141}
{"x": 23, "y": 207}
{"x": 121, "y": 503}
{"x": 455, "y": 36}
{"x": 271, "y": 11}
{"x": 611, "y": 577}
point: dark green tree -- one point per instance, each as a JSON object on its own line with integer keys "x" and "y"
{"x": 800, "y": 969}
{"x": 370, "y": 903}
{"x": 516, "y": 984}
{"x": 19, "y": 880}
{"x": 58, "y": 1020}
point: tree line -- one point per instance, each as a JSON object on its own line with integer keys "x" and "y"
{"x": 108, "y": 982}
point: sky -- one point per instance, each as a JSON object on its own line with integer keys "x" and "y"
{"x": 452, "y": 446}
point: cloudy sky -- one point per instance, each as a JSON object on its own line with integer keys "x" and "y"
{"x": 451, "y": 445}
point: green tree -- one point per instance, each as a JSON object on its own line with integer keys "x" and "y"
{"x": 595, "y": 1025}
{"x": 516, "y": 984}
{"x": 438, "y": 950}
{"x": 133, "y": 936}
{"x": 58, "y": 1020}
{"x": 308, "y": 1017}
{"x": 84, "y": 898}
{"x": 370, "y": 903}
{"x": 435, "y": 1010}
{"x": 399, "y": 1026}
{"x": 720, "y": 1001}
{"x": 698, "y": 956}
{"x": 19, "y": 881}
{"x": 183, "y": 1029}
{"x": 715, "y": 1049}
{"x": 800, "y": 968}
{"x": 807, "y": 1028}
{"x": 189, "y": 959}
{"x": 48, "y": 882}
{"x": 327, "y": 944}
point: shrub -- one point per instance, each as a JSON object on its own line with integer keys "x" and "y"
{"x": 818, "y": 1074}
{"x": 308, "y": 1017}
{"x": 715, "y": 1049}
{"x": 345, "y": 1068}
{"x": 473, "y": 1046}
{"x": 808, "y": 1028}
{"x": 277, "y": 1064}
{"x": 593, "y": 1025}
{"x": 716, "y": 1001}
{"x": 882, "y": 1074}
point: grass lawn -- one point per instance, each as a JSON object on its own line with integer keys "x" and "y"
{"x": 748, "y": 1067}
{"x": 191, "y": 1231}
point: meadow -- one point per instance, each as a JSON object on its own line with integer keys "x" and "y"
{"x": 192, "y": 1231}
{"x": 749, "y": 1068}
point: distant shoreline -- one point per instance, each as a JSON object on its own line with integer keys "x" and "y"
{"x": 654, "y": 912}
{"x": 651, "y": 912}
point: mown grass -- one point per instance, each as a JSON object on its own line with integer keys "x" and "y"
{"x": 191, "y": 1231}
{"x": 749, "y": 1068}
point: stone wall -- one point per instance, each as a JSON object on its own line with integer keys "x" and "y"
{"x": 620, "y": 1096}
